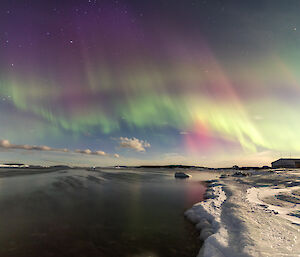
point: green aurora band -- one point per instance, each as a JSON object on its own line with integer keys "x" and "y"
{"x": 178, "y": 97}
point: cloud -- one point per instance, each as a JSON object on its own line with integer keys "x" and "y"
{"x": 116, "y": 155}
{"x": 7, "y": 145}
{"x": 100, "y": 153}
{"x": 86, "y": 151}
{"x": 133, "y": 143}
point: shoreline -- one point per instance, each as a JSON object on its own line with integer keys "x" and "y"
{"x": 232, "y": 222}
{"x": 206, "y": 217}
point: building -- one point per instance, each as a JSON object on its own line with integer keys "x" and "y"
{"x": 286, "y": 163}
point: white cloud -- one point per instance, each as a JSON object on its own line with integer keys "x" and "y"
{"x": 7, "y": 145}
{"x": 133, "y": 143}
{"x": 100, "y": 153}
{"x": 86, "y": 151}
{"x": 4, "y": 143}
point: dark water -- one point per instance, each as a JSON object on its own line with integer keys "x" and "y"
{"x": 98, "y": 213}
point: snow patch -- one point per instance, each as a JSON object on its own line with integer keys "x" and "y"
{"x": 257, "y": 196}
{"x": 250, "y": 216}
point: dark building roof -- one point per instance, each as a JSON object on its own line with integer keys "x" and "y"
{"x": 287, "y": 159}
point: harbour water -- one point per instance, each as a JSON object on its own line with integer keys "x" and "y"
{"x": 106, "y": 212}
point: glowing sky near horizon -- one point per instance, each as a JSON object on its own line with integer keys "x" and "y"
{"x": 199, "y": 81}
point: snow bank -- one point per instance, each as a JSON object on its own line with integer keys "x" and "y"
{"x": 207, "y": 217}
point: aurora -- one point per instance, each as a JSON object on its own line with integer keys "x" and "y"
{"x": 201, "y": 82}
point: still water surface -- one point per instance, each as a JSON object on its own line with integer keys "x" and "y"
{"x": 105, "y": 213}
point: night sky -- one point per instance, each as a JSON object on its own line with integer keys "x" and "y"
{"x": 92, "y": 82}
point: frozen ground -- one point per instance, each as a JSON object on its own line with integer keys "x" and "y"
{"x": 255, "y": 215}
